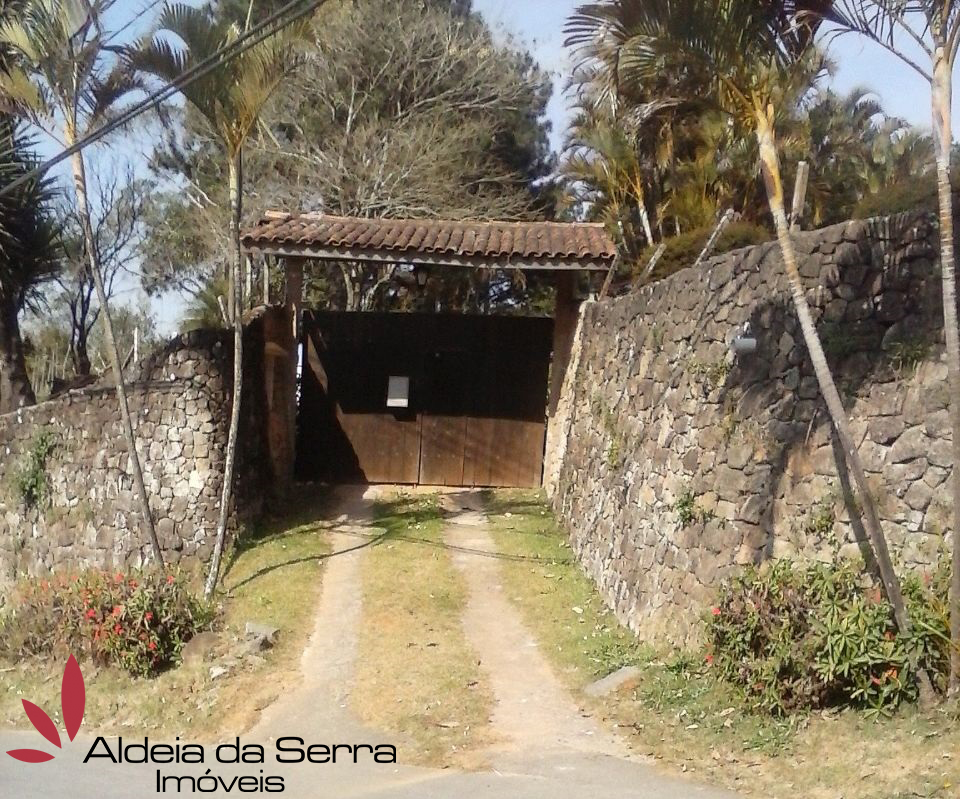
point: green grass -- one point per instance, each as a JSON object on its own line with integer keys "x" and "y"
{"x": 579, "y": 634}
{"x": 416, "y": 674}
{"x": 677, "y": 713}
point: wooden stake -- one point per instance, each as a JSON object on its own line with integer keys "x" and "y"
{"x": 651, "y": 264}
{"x": 224, "y": 314}
{"x": 712, "y": 241}
{"x": 609, "y": 278}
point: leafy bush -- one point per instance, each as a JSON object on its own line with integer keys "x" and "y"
{"x": 683, "y": 250}
{"x": 916, "y": 193}
{"x": 31, "y": 476}
{"x": 138, "y": 621}
{"x": 800, "y": 637}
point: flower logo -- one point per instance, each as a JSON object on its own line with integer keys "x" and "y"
{"x": 73, "y": 698}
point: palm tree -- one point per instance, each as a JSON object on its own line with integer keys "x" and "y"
{"x": 741, "y": 57}
{"x": 230, "y": 99}
{"x": 841, "y": 131}
{"x": 28, "y": 258}
{"x": 75, "y": 83}
{"x": 933, "y": 28}
{"x": 898, "y": 154}
{"x": 608, "y": 174}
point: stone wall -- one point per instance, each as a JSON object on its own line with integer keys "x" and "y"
{"x": 90, "y": 515}
{"x": 674, "y": 463}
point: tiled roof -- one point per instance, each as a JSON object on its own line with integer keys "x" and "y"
{"x": 557, "y": 241}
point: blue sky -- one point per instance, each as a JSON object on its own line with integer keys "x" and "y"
{"x": 538, "y": 24}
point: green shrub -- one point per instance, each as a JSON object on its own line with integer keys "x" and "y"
{"x": 689, "y": 511}
{"x": 917, "y": 193}
{"x": 798, "y": 637}
{"x": 30, "y": 477}
{"x": 137, "y": 621}
{"x": 683, "y": 250}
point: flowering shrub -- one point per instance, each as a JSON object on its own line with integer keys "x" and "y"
{"x": 137, "y": 621}
{"x": 810, "y": 636}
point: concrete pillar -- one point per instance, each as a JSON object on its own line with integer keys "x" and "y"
{"x": 558, "y": 425}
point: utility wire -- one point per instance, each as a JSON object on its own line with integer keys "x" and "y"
{"x": 138, "y": 15}
{"x": 244, "y": 42}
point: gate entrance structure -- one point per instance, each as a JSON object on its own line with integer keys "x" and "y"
{"x": 434, "y": 399}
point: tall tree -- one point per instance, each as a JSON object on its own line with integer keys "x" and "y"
{"x": 115, "y": 219}
{"x": 230, "y": 100}
{"x": 28, "y": 259}
{"x": 932, "y": 28}
{"x": 399, "y": 110}
{"x": 690, "y": 163}
{"x": 64, "y": 48}
{"x": 737, "y": 55}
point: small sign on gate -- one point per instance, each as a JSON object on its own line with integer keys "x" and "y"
{"x": 398, "y": 391}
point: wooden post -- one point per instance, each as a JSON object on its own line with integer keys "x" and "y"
{"x": 564, "y": 325}
{"x": 293, "y": 292}
{"x": 293, "y": 307}
{"x": 266, "y": 279}
{"x": 248, "y": 281}
{"x": 136, "y": 344}
{"x": 799, "y": 195}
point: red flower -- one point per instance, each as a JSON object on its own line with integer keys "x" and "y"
{"x": 152, "y": 645}
{"x": 709, "y": 659}
{"x": 148, "y": 616}
{"x": 170, "y": 579}
{"x": 118, "y": 577}
{"x": 117, "y": 610}
{"x": 118, "y": 629}
{"x": 715, "y": 611}
{"x": 91, "y": 613}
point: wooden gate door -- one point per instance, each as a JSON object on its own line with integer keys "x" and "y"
{"x": 345, "y": 432}
{"x": 477, "y": 399}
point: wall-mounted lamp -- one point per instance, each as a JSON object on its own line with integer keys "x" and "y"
{"x": 744, "y": 343}
{"x": 422, "y": 275}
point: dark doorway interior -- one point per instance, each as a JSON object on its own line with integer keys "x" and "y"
{"x": 476, "y": 401}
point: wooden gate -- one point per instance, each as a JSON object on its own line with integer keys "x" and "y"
{"x": 476, "y": 403}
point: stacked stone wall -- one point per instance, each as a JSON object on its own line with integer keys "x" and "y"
{"x": 674, "y": 463}
{"x": 89, "y": 512}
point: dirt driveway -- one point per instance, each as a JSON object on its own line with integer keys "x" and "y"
{"x": 543, "y": 741}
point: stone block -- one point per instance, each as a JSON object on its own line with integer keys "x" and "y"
{"x": 885, "y": 429}
{"x": 913, "y": 443}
